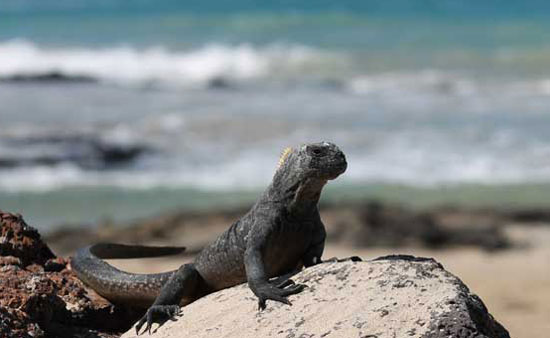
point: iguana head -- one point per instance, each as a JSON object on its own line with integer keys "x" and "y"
{"x": 323, "y": 160}
{"x": 303, "y": 172}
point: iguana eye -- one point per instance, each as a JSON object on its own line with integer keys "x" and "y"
{"x": 316, "y": 151}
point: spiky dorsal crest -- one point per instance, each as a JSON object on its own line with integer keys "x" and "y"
{"x": 284, "y": 156}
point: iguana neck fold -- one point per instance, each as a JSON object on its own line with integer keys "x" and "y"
{"x": 299, "y": 196}
{"x": 306, "y": 197}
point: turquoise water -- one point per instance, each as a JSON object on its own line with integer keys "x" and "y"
{"x": 88, "y": 207}
{"x": 199, "y": 98}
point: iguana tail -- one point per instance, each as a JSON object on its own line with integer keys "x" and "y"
{"x": 116, "y": 285}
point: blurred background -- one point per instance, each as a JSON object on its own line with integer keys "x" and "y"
{"x": 113, "y": 112}
{"x": 135, "y": 107}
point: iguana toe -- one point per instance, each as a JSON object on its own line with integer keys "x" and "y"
{"x": 285, "y": 283}
{"x": 278, "y": 293}
{"x": 159, "y": 314}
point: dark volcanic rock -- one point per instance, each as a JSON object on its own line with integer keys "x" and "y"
{"x": 18, "y": 240}
{"x": 370, "y": 225}
{"x": 529, "y": 215}
{"x": 41, "y": 297}
{"x": 85, "y": 151}
{"x": 383, "y": 225}
{"x": 49, "y": 77}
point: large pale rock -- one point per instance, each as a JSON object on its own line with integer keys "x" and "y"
{"x": 394, "y": 296}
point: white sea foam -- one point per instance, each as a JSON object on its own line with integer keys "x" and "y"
{"x": 128, "y": 65}
{"x": 192, "y": 152}
{"x": 397, "y": 163}
{"x": 445, "y": 83}
{"x": 239, "y": 175}
{"x": 414, "y": 126}
{"x": 427, "y": 80}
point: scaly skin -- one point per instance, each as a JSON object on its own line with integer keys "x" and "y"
{"x": 282, "y": 232}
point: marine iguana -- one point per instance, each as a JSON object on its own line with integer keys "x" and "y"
{"x": 281, "y": 233}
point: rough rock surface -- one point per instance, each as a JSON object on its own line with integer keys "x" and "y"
{"x": 393, "y": 296}
{"x": 41, "y": 297}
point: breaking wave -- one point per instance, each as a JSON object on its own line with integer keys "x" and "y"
{"x": 23, "y": 60}
{"x": 416, "y": 159}
{"x": 218, "y": 65}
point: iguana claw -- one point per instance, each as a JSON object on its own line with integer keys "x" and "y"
{"x": 278, "y": 293}
{"x": 159, "y": 314}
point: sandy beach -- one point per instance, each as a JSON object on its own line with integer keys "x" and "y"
{"x": 514, "y": 283}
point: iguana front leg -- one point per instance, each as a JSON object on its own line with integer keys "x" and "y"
{"x": 315, "y": 251}
{"x": 259, "y": 283}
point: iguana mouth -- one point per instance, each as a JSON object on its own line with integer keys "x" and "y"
{"x": 339, "y": 169}
{"x": 341, "y": 164}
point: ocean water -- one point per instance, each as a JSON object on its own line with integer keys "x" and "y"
{"x": 173, "y": 104}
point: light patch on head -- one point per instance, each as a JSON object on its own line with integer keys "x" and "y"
{"x": 284, "y": 156}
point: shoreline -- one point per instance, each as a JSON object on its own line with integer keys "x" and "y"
{"x": 358, "y": 224}
{"x": 89, "y": 207}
